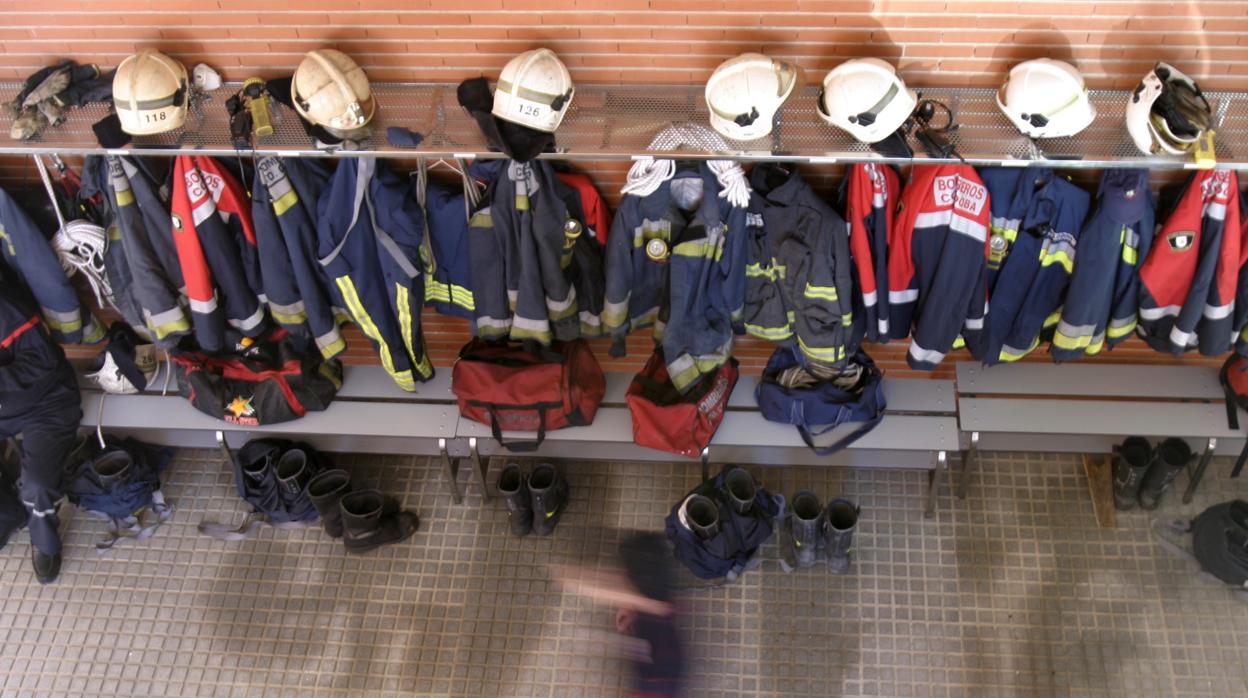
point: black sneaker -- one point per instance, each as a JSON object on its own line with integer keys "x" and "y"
{"x": 47, "y": 567}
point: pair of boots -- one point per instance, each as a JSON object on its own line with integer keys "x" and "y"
{"x": 364, "y": 519}
{"x": 535, "y": 502}
{"x": 1142, "y": 473}
{"x": 814, "y": 531}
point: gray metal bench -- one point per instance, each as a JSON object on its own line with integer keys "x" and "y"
{"x": 1087, "y": 408}
{"x": 918, "y": 432}
{"x": 370, "y": 414}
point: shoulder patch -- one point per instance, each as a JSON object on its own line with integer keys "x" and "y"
{"x": 1181, "y": 241}
{"x": 962, "y": 194}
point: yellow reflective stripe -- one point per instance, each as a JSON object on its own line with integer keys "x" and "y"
{"x": 463, "y": 297}
{"x": 334, "y": 348}
{"x": 288, "y": 319}
{"x": 1010, "y": 234}
{"x": 1130, "y": 255}
{"x": 95, "y": 332}
{"x": 436, "y": 291}
{"x": 125, "y": 197}
{"x": 756, "y": 270}
{"x": 686, "y": 377}
{"x": 698, "y": 249}
{"x": 525, "y": 333}
{"x": 959, "y": 342}
{"x": 331, "y": 374}
{"x": 1053, "y": 318}
{"x": 362, "y": 318}
{"x": 1060, "y": 257}
{"x": 775, "y": 334}
{"x": 403, "y": 298}
{"x": 283, "y": 203}
{"x": 481, "y": 219}
{"x": 1095, "y": 348}
{"x": 1010, "y": 356}
{"x": 522, "y": 202}
{"x": 1062, "y": 341}
{"x": 65, "y": 327}
{"x": 114, "y": 233}
{"x": 1124, "y": 330}
{"x": 828, "y": 354}
{"x": 175, "y": 327}
{"x": 827, "y": 293}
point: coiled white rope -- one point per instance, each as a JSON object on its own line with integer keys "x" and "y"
{"x": 79, "y": 244}
{"x": 648, "y": 173}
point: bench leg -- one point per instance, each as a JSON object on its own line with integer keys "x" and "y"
{"x": 1195, "y": 477}
{"x": 450, "y": 468}
{"x": 706, "y": 464}
{"x": 969, "y": 460}
{"x": 478, "y": 469}
{"x": 227, "y": 456}
{"x": 942, "y": 465}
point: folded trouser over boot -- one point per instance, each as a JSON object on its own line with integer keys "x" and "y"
{"x": 325, "y": 490}
{"x": 548, "y": 493}
{"x": 1131, "y": 461}
{"x": 1172, "y": 456}
{"x": 513, "y": 487}
{"x": 842, "y": 521}
{"x": 803, "y": 532}
{"x": 371, "y": 520}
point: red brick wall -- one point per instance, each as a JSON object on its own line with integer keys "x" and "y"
{"x": 934, "y": 42}
{"x": 675, "y": 41}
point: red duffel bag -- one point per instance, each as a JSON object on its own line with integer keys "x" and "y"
{"x": 510, "y": 388}
{"x": 666, "y": 420}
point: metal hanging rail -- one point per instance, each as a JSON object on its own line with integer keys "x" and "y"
{"x": 617, "y": 123}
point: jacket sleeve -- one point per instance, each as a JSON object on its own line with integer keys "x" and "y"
{"x": 765, "y": 314}
{"x": 1221, "y": 251}
{"x": 280, "y": 291}
{"x": 619, "y": 272}
{"x": 903, "y": 277}
{"x": 28, "y": 253}
{"x": 486, "y": 250}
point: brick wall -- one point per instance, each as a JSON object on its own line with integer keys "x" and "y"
{"x": 675, "y": 41}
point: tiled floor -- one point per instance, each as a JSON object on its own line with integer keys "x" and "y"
{"x": 1012, "y": 592}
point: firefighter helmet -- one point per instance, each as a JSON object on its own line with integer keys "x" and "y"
{"x": 1046, "y": 99}
{"x": 150, "y": 93}
{"x": 744, "y": 94}
{"x": 331, "y": 91}
{"x": 1167, "y": 113}
{"x": 534, "y": 90}
{"x": 865, "y": 97}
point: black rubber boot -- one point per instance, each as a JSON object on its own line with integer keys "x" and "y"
{"x": 371, "y": 520}
{"x": 513, "y": 487}
{"x": 741, "y": 489}
{"x": 1171, "y": 456}
{"x": 112, "y": 467}
{"x": 842, "y": 521}
{"x": 258, "y": 459}
{"x": 325, "y": 490}
{"x": 805, "y": 525}
{"x": 293, "y": 473}
{"x": 548, "y": 493}
{"x": 1131, "y": 461}
{"x": 47, "y": 567}
{"x": 703, "y": 516}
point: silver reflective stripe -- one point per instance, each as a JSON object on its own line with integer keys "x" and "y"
{"x": 203, "y": 307}
{"x": 1158, "y": 313}
{"x": 40, "y": 513}
{"x": 968, "y": 227}
{"x": 588, "y": 318}
{"x": 870, "y": 299}
{"x": 169, "y": 316}
{"x": 500, "y": 324}
{"x": 61, "y": 318}
{"x": 619, "y": 310}
{"x": 559, "y": 306}
{"x": 878, "y": 200}
{"x": 1069, "y": 330}
{"x": 250, "y": 322}
{"x": 1217, "y": 312}
{"x": 933, "y": 219}
{"x": 908, "y": 296}
{"x": 975, "y": 323}
{"x": 525, "y": 323}
{"x": 362, "y": 177}
{"x": 1182, "y": 339}
{"x": 296, "y": 308}
{"x": 680, "y": 364}
{"x": 883, "y": 326}
{"x": 1216, "y": 211}
{"x": 1133, "y": 238}
{"x": 1003, "y": 224}
{"x": 1122, "y": 322}
{"x": 928, "y": 356}
{"x": 328, "y": 339}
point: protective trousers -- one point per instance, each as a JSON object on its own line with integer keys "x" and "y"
{"x": 48, "y": 432}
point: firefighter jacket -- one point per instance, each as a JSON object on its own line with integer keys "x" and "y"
{"x": 597, "y": 217}
{"x": 284, "y": 215}
{"x": 32, "y": 365}
{"x": 1189, "y": 280}
{"x": 216, "y": 246}
{"x": 369, "y": 233}
{"x": 1241, "y": 296}
{"x": 536, "y": 274}
{"x": 1101, "y": 301}
{"x": 936, "y": 265}
{"x": 675, "y": 260}
{"x": 810, "y": 247}
{"x": 146, "y": 259}
{"x": 1046, "y": 213}
{"x": 448, "y": 278}
{"x": 28, "y": 256}
{"x": 870, "y": 194}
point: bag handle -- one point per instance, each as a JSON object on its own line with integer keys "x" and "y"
{"x": 518, "y": 446}
{"x": 808, "y": 434}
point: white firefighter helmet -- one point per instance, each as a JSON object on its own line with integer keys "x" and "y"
{"x": 534, "y": 90}
{"x": 865, "y": 97}
{"x": 1167, "y": 112}
{"x": 331, "y": 91}
{"x": 150, "y": 92}
{"x": 744, "y": 94}
{"x": 1046, "y": 99}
